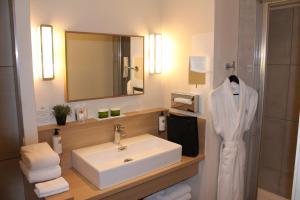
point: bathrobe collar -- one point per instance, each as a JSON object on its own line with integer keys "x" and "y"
{"x": 237, "y": 109}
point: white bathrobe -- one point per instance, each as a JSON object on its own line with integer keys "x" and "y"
{"x": 232, "y": 115}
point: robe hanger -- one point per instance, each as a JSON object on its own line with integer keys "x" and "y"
{"x": 232, "y": 78}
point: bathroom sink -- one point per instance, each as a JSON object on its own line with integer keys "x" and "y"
{"x": 105, "y": 165}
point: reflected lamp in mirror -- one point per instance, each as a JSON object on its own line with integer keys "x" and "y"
{"x": 197, "y": 69}
{"x": 155, "y": 53}
{"x": 47, "y": 58}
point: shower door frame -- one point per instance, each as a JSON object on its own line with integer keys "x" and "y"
{"x": 262, "y": 59}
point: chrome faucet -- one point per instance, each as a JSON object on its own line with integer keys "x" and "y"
{"x": 118, "y": 134}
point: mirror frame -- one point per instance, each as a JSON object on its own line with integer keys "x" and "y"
{"x": 106, "y": 97}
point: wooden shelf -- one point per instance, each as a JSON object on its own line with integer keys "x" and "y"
{"x": 81, "y": 188}
{"x": 93, "y": 121}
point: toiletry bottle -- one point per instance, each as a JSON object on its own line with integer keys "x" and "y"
{"x": 162, "y": 122}
{"x": 56, "y": 141}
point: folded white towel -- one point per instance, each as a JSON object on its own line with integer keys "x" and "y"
{"x": 50, "y": 193}
{"x": 155, "y": 195}
{"x": 49, "y": 188}
{"x": 40, "y": 175}
{"x": 177, "y": 190}
{"x": 38, "y": 156}
{"x": 172, "y": 193}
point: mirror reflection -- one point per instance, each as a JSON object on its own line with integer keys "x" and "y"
{"x": 103, "y": 65}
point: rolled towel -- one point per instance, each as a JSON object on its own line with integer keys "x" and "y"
{"x": 49, "y": 188}
{"x": 187, "y": 196}
{"x": 176, "y": 191}
{"x": 39, "y": 156}
{"x": 39, "y": 175}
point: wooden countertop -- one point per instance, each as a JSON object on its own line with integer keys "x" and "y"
{"x": 81, "y": 188}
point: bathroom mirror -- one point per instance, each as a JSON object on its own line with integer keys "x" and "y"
{"x": 103, "y": 65}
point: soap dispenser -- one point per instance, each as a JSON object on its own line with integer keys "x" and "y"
{"x": 56, "y": 141}
{"x": 162, "y": 122}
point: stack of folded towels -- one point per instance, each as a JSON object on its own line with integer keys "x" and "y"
{"x": 180, "y": 191}
{"x": 40, "y": 163}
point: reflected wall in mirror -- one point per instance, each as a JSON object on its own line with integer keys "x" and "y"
{"x": 103, "y": 65}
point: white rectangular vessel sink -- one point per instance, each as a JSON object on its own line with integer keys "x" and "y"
{"x": 105, "y": 166}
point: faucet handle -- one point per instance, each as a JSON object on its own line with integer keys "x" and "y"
{"x": 119, "y": 127}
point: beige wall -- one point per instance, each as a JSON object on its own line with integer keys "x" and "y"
{"x": 90, "y": 66}
{"x": 226, "y": 37}
{"x": 188, "y": 28}
{"x": 132, "y": 17}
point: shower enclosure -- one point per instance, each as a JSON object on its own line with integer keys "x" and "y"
{"x": 281, "y": 100}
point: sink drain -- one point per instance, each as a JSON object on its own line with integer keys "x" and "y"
{"x": 128, "y": 160}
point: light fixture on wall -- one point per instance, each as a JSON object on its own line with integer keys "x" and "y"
{"x": 155, "y": 53}
{"x": 47, "y": 71}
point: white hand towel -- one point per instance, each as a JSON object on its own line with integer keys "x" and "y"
{"x": 38, "y": 156}
{"x": 51, "y": 187}
{"x": 50, "y": 193}
{"x": 40, "y": 175}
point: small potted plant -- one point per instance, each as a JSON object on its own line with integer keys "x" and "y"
{"x": 60, "y": 113}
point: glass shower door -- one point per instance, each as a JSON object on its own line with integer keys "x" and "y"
{"x": 281, "y": 103}
{"x": 296, "y": 182}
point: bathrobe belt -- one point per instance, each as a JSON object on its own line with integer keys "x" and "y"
{"x": 232, "y": 143}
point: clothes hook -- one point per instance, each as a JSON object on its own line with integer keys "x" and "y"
{"x": 230, "y": 66}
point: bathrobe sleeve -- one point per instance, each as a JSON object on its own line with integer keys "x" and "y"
{"x": 252, "y": 106}
{"x": 215, "y": 115}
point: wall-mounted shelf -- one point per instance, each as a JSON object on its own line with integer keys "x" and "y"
{"x": 93, "y": 121}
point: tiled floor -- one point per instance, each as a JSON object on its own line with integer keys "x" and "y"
{"x": 265, "y": 195}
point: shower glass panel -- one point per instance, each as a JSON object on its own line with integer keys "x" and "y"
{"x": 281, "y": 102}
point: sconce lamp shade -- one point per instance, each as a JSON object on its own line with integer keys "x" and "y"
{"x": 47, "y": 52}
{"x": 155, "y": 53}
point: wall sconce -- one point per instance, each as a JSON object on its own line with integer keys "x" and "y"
{"x": 47, "y": 52}
{"x": 155, "y": 53}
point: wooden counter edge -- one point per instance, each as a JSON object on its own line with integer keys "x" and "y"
{"x": 99, "y": 194}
